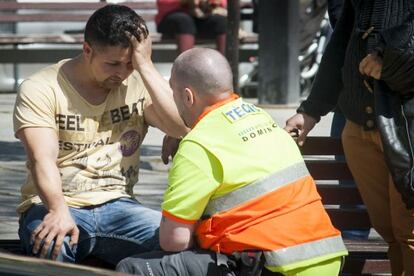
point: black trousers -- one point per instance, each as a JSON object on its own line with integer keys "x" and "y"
{"x": 161, "y": 263}
{"x": 184, "y": 23}
{"x": 197, "y": 262}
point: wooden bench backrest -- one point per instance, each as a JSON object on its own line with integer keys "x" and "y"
{"x": 326, "y": 170}
{"x": 79, "y": 12}
{"x": 64, "y": 12}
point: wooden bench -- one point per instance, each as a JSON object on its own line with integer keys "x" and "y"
{"x": 366, "y": 257}
{"x": 13, "y": 265}
{"x": 14, "y": 50}
{"x": 77, "y": 12}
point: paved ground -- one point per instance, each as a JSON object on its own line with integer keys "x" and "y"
{"x": 153, "y": 173}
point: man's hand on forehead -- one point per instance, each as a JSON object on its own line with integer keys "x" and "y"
{"x": 140, "y": 34}
{"x": 141, "y": 47}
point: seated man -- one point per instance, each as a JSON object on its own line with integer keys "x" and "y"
{"x": 82, "y": 121}
{"x": 238, "y": 185}
{"x": 183, "y": 19}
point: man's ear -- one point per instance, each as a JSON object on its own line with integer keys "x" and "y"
{"x": 87, "y": 50}
{"x": 189, "y": 97}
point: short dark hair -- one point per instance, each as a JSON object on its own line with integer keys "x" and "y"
{"x": 110, "y": 25}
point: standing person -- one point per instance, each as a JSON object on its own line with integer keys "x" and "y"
{"x": 183, "y": 19}
{"x": 238, "y": 186}
{"x": 82, "y": 121}
{"x": 338, "y": 124}
{"x": 370, "y": 41}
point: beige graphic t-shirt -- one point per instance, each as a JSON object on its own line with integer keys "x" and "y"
{"x": 98, "y": 144}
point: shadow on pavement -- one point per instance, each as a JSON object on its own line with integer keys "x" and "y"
{"x": 12, "y": 151}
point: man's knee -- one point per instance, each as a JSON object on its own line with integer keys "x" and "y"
{"x": 219, "y": 24}
{"x": 181, "y": 23}
{"x": 28, "y": 222}
{"x": 67, "y": 252}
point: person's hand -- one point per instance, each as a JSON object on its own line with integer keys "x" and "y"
{"x": 204, "y": 8}
{"x": 219, "y": 11}
{"x": 190, "y": 3}
{"x": 55, "y": 226}
{"x": 371, "y": 66}
{"x": 169, "y": 148}
{"x": 299, "y": 125}
{"x": 141, "y": 49}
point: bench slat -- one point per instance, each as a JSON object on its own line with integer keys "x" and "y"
{"x": 76, "y": 36}
{"x": 328, "y": 169}
{"x": 358, "y": 266}
{"x": 334, "y": 194}
{"x": 53, "y": 55}
{"x": 348, "y": 219}
{"x": 55, "y": 17}
{"x": 11, "y": 246}
{"x": 8, "y": 39}
{"x": 366, "y": 247}
{"x": 10, "y": 6}
{"x": 322, "y": 146}
{"x": 11, "y": 264}
{"x": 30, "y": 56}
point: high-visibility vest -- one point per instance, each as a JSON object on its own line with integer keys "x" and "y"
{"x": 279, "y": 211}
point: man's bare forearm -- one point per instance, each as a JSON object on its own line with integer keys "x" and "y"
{"x": 168, "y": 118}
{"x": 162, "y": 99}
{"x": 48, "y": 183}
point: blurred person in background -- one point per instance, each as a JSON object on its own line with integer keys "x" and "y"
{"x": 186, "y": 19}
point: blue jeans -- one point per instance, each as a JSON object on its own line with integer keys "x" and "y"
{"x": 111, "y": 231}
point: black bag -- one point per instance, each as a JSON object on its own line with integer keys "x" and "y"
{"x": 241, "y": 263}
{"x": 395, "y": 121}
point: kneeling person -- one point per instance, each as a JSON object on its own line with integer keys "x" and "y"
{"x": 238, "y": 183}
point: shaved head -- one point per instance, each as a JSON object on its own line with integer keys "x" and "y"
{"x": 204, "y": 70}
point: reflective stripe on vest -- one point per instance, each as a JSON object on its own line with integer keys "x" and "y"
{"x": 256, "y": 189}
{"x": 304, "y": 251}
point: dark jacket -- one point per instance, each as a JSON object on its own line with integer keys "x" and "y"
{"x": 339, "y": 81}
{"x": 334, "y": 11}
